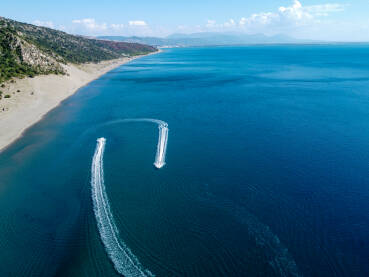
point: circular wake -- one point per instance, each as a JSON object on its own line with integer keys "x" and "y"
{"x": 125, "y": 262}
{"x": 162, "y": 140}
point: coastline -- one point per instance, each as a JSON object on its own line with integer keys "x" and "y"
{"x": 32, "y": 98}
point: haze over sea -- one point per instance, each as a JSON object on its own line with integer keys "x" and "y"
{"x": 266, "y": 169}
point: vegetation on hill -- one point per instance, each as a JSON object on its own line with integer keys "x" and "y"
{"x": 28, "y": 50}
{"x": 12, "y": 63}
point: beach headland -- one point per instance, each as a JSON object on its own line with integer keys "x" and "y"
{"x": 32, "y": 98}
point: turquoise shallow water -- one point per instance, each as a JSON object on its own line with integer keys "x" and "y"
{"x": 266, "y": 174}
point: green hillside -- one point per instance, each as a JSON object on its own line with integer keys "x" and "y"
{"x": 28, "y": 50}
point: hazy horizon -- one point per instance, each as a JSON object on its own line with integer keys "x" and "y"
{"x": 322, "y": 20}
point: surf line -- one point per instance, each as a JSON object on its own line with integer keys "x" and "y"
{"x": 124, "y": 261}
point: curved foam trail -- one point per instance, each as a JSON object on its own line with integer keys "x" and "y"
{"x": 125, "y": 262}
{"x": 162, "y": 140}
{"x": 162, "y": 146}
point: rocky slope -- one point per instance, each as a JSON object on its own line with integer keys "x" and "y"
{"x": 28, "y": 50}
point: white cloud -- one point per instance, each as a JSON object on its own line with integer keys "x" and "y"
{"x": 137, "y": 23}
{"x": 212, "y": 24}
{"x": 325, "y": 9}
{"x": 292, "y": 16}
{"x": 48, "y": 24}
{"x": 296, "y": 12}
{"x": 117, "y": 27}
{"x": 91, "y": 27}
{"x": 296, "y": 19}
{"x": 91, "y": 24}
{"x": 260, "y": 18}
{"x": 229, "y": 23}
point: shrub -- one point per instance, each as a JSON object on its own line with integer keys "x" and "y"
{"x": 7, "y": 96}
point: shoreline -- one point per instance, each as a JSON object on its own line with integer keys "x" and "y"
{"x": 32, "y": 98}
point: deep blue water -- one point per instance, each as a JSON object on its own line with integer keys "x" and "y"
{"x": 267, "y": 168}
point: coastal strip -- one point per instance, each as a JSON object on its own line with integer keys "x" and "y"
{"x": 32, "y": 98}
{"x": 124, "y": 261}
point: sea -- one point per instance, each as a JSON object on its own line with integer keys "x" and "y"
{"x": 265, "y": 169}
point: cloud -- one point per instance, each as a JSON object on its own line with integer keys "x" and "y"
{"x": 296, "y": 19}
{"x": 91, "y": 24}
{"x": 91, "y": 27}
{"x": 117, "y": 27}
{"x": 292, "y": 16}
{"x": 229, "y": 23}
{"x": 137, "y": 23}
{"x": 325, "y": 9}
{"x": 212, "y": 24}
{"x": 260, "y": 18}
{"x": 296, "y": 14}
{"x": 48, "y": 24}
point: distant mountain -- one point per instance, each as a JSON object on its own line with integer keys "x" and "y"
{"x": 28, "y": 50}
{"x": 154, "y": 41}
{"x": 207, "y": 39}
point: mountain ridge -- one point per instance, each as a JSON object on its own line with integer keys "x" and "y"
{"x": 207, "y": 39}
{"x": 29, "y": 50}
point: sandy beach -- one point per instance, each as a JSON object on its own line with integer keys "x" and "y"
{"x": 32, "y": 98}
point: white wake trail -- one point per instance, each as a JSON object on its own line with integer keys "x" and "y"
{"x": 162, "y": 146}
{"x": 162, "y": 139}
{"x": 125, "y": 262}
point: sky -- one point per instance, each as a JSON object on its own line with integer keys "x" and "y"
{"x": 331, "y": 20}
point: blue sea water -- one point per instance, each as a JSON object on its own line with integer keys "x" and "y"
{"x": 266, "y": 170}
